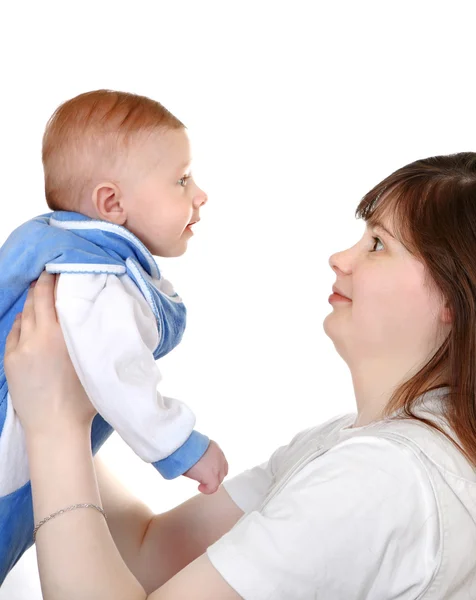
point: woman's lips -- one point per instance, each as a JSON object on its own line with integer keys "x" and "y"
{"x": 336, "y": 297}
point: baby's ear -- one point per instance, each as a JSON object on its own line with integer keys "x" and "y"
{"x": 108, "y": 203}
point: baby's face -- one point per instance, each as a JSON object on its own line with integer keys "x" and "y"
{"x": 163, "y": 202}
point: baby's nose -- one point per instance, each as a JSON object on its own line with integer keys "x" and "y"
{"x": 200, "y": 199}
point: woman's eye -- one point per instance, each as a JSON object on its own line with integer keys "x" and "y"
{"x": 183, "y": 180}
{"x": 376, "y": 241}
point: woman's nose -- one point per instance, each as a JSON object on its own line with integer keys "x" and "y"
{"x": 340, "y": 262}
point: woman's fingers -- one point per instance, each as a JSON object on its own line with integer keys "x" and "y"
{"x": 28, "y": 320}
{"x": 14, "y": 336}
{"x": 39, "y": 308}
{"x": 44, "y": 300}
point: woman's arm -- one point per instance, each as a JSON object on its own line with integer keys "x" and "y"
{"x": 156, "y": 547}
{"x": 176, "y": 538}
{"x": 77, "y": 556}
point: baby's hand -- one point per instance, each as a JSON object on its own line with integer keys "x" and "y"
{"x": 210, "y": 470}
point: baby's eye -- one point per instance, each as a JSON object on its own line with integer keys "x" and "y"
{"x": 376, "y": 241}
{"x": 183, "y": 180}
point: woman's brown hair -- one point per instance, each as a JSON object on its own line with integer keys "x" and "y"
{"x": 432, "y": 206}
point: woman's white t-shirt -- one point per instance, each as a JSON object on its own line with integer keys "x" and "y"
{"x": 336, "y": 514}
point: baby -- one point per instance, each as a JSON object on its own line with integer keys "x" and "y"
{"x": 118, "y": 180}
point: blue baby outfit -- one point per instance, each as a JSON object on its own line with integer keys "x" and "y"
{"x": 78, "y": 244}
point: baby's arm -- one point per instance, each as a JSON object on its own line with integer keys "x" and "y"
{"x": 111, "y": 334}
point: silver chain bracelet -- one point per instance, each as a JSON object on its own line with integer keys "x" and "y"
{"x": 63, "y": 510}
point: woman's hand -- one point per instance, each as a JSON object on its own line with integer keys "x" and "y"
{"x": 43, "y": 385}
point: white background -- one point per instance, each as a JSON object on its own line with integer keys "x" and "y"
{"x": 295, "y": 109}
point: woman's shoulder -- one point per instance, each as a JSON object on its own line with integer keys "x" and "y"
{"x": 377, "y": 456}
{"x": 372, "y": 502}
{"x": 351, "y": 506}
{"x": 323, "y": 433}
{"x": 249, "y": 488}
{"x": 433, "y": 446}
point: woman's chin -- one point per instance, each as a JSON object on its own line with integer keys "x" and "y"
{"x": 330, "y": 325}
{"x": 334, "y": 331}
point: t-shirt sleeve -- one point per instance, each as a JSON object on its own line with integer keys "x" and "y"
{"x": 360, "y": 521}
{"x": 111, "y": 334}
{"x": 249, "y": 489}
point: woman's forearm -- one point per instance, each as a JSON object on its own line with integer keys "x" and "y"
{"x": 157, "y": 547}
{"x": 75, "y": 550}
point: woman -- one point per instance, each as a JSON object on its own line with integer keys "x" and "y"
{"x": 377, "y": 506}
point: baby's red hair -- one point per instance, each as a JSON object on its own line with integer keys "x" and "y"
{"x": 87, "y": 136}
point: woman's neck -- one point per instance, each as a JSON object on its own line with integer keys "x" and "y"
{"x": 375, "y": 385}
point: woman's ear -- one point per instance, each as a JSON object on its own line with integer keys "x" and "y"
{"x": 107, "y": 200}
{"x": 446, "y": 314}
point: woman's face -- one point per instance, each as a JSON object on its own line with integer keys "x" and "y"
{"x": 392, "y": 312}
